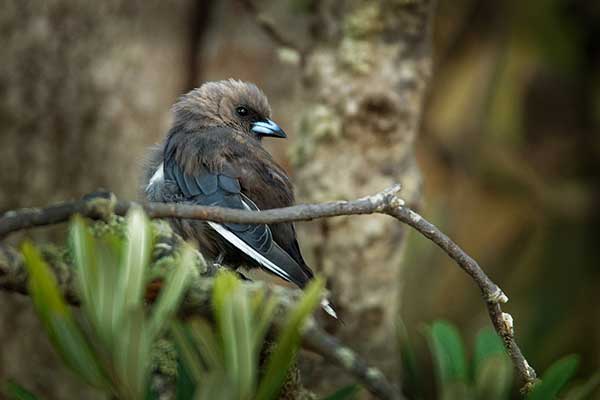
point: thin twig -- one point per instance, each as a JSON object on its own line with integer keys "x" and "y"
{"x": 492, "y": 294}
{"x": 386, "y": 202}
{"x": 316, "y": 339}
{"x": 270, "y": 29}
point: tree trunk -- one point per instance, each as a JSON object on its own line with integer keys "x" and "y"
{"x": 364, "y": 83}
{"x": 77, "y": 110}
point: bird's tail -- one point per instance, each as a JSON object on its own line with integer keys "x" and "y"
{"x": 328, "y": 308}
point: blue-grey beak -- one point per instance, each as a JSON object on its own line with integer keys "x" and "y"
{"x": 267, "y": 128}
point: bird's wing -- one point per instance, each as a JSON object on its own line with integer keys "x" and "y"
{"x": 255, "y": 240}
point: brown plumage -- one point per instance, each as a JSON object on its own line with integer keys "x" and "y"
{"x": 213, "y": 156}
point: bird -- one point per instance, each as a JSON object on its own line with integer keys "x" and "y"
{"x": 213, "y": 155}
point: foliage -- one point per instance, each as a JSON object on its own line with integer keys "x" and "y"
{"x": 109, "y": 344}
{"x": 223, "y": 361}
{"x": 489, "y": 374}
{"x": 554, "y": 379}
{"x": 16, "y": 392}
{"x": 109, "y": 347}
{"x": 347, "y": 392}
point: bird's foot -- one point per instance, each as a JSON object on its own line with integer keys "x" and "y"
{"x": 217, "y": 262}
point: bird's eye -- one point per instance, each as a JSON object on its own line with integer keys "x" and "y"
{"x": 241, "y": 111}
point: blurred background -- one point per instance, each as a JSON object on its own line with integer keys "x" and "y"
{"x": 508, "y": 150}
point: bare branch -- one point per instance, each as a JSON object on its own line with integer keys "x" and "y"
{"x": 386, "y": 202}
{"x": 314, "y": 338}
{"x": 269, "y": 27}
{"x": 96, "y": 208}
{"x": 101, "y": 207}
{"x": 492, "y": 294}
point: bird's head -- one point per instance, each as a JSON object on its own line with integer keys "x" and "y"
{"x": 239, "y": 105}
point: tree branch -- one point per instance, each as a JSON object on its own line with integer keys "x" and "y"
{"x": 386, "y": 202}
{"x": 492, "y": 294}
{"x": 317, "y": 340}
{"x": 270, "y": 29}
{"x": 102, "y": 207}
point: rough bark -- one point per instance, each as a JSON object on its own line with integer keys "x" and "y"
{"x": 365, "y": 82}
{"x": 76, "y": 111}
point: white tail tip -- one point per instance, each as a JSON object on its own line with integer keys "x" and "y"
{"x": 326, "y": 306}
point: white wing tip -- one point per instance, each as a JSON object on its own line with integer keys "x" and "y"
{"x": 159, "y": 175}
{"x": 240, "y": 244}
{"x": 326, "y": 306}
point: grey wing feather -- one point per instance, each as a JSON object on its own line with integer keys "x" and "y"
{"x": 256, "y": 240}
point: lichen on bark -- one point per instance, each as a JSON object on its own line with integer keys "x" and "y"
{"x": 368, "y": 83}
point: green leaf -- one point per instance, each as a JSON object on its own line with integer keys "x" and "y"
{"x": 264, "y": 311}
{"x": 152, "y": 394}
{"x": 211, "y": 383}
{"x": 111, "y": 275}
{"x": 585, "y": 390}
{"x": 207, "y": 343}
{"x": 136, "y": 257}
{"x": 346, "y": 393}
{"x": 288, "y": 341}
{"x": 104, "y": 290}
{"x": 85, "y": 261}
{"x": 554, "y": 379}
{"x": 186, "y": 352}
{"x": 225, "y": 284}
{"x": 448, "y": 352}
{"x": 14, "y": 391}
{"x": 234, "y": 321}
{"x": 58, "y": 321}
{"x": 185, "y": 386}
{"x": 487, "y": 344}
{"x": 492, "y": 368}
{"x": 411, "y": 376}
{"x": 456, "y": 390}
{"x": 245, "y": 335}
{"x": 493, "y": 377}
{"x": 131, "y": 355}
{"x": 216, "y": 387}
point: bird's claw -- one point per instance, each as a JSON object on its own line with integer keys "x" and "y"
{"x": 218, "y": 262}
